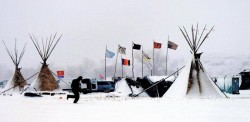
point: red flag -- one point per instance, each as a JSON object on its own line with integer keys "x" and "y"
{"x": 157, "y": 45}
{"x": 60, "y": 74}
{"x": 101, "y": 77}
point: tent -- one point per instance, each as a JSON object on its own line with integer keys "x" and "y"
{"x": 17, "y": 82}
{"x": 245, "y": 84}
{"x": 193, "y": 81}
{"x": 127, "y": 87}
{"x": 45, "y": 80}
{"x": 153, "y": 85}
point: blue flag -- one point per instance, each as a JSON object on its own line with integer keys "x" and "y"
{"x": 109, "y": 54}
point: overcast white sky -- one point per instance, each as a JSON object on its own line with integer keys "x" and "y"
{"x": 89, "y": 25}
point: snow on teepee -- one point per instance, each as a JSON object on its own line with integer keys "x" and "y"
{"x": 45, "y": 80}
{"x": 17, "y": 82}
{"x": 193, "y": 81}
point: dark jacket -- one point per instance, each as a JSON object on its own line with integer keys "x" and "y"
{"x": 75, "y": 85}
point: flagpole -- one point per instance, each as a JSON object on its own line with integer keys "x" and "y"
{"x": 153, "y": 58}
{"x": 142, "y": 61}
{"x": 167, "y": 59}
{"x": 105, "y": 62}
{"x": 122, "y": 66}
{"x": 116, "y": 60}
{"x": 132, "y": 60}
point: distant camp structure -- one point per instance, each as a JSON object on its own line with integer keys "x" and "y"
{"x": 245, "y": 76}
{"x": 193, "y": 81}
{"x": 45, "y": 80}
{"x": 17, "y": 81}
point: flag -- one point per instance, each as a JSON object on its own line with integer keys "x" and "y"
{"x": 125, "y": 62}
{"x": 145, "y": 56}
{"x": 157, "y": 45}
{"x": 101, "y": 77}
{"x": 172, "y": 45}
{"x": 121, "y": 50}
{"x": 109, "y": 54}
{"x": 136, "y": 46}
{"x": 60, "y": 74}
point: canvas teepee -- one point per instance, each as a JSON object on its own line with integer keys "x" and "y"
{"x": 193, "y": 80}
{"x": 45, "y": 80}
{"x": 17, "y": 81}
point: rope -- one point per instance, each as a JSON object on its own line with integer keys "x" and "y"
{"x": 18, "y": 85}
{"x": 29, "y": 84}
{"x": 157, "y": 82}
{"x": 60, "y": 78}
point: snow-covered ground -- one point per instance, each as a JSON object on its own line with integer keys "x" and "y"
{"x": 98, "y": 108}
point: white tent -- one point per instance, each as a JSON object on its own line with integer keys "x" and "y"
{"x": 17, "y": 82}
{"x": 193, "y": 81}
{"x": 122, "y": 89}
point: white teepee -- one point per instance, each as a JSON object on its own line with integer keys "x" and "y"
{"x": 193, "y": 81}
{"x": 17, "y": 82}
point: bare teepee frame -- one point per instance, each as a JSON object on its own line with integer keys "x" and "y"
{"x": 17, "y": 82}
{"x": 195, "y": 43}
{"x": 46, "y": 80}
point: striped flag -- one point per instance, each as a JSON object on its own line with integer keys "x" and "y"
{"x": 125, "y": 62}
{"x": 60, "y": 74}
{"x": 145, "y": 56}
{"x": 121, "y": 50}
{"x": 172, "y": 45}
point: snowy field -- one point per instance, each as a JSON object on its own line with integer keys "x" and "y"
{"x": 97, "y": 108}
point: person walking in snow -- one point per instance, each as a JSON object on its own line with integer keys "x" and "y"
{"x": 75, "y": 85}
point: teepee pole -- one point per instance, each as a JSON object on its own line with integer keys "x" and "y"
{"x": 10, "y": 54}
{"x": 158, "y": 82}
{"x": 195, "y": 39}
{"x": 201, "y": 35}
{"x": 59, "y": 78}
{"x": 185, "y": 36}
{"x": 27, "y": 80}
{"x": 192, "y": 30}
{"x": 36, "y": 45}
{"x": 204, "y": 38}
{"x": 21, "y": 54}
{"x": 16, "y": 54}
{"x": 189, "y": 40}
{"x": 53, "y": 47}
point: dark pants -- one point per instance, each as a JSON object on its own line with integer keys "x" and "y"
{"x": 76, "y": 96}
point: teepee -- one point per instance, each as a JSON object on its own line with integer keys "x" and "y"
{"x": 45, "y": 80}
{"x": 17, "y": 81}
{"x": 193, "y": 81}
